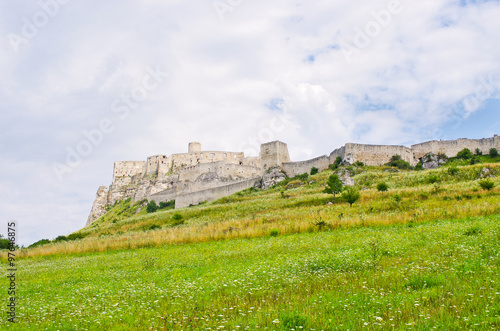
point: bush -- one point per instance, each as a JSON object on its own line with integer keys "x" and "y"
{"x": 75, "y": 236}
{"x": 432, "y": 179}
{"x": 167, "y": 205}
{"x": 314, "y": 171}
{"x": 178, "y": 219}
{"x": 151, "y": 207}
{"x": 351, "y": 195}
{"x": 304, "y": 176}
{"x": 465, "y": 154}
{"x": 39, "y": 243}
{"x": 60, "y": 238}
{"x": 154, "y": 227}
{"x": 336, "y": 164}
{"x": 397, "y": 162}
{"x": 359, "y": 164}
{"x": 474, "y": 160}
{"x": 493, "y": 152}
{"x": 478, "y": 152}
{"x": 453, "y": 170}
{"x": 5, "y": 243}
{"x": 419, "y": 166}
{"x": 382, "y": 187}
{"x": 274, "y": 232}
{"x": 486, "y": 184}
{"x": 293, "y": 321}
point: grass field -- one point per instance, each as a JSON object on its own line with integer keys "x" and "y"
{"x": 424, "y": 255}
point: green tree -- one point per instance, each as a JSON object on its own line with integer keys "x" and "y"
{"x": 314, "y": 171}
{"x": 493, "y": 152}
{"x": 351, "y": 195}
{"x": 465, "y": 154}
{"x": 151, "y": 207}
{"x": 333, "y": 185}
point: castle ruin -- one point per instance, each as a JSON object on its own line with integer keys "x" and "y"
{"x": 197, "y": 176}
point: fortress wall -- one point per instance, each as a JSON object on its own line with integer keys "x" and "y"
{"x": 253, "y": 161}
{"x": 376, "y": 154}
{"x": 222, "y": 169}
{"x": 123, "y": 169}
{"x": 296, "y": 168}
{"x": 189, "y": 159}
{"x": 165, "y": 195}
{"x": 185, "y": 200}
{"x": 157, "y": 164}
{"x": 452, "y": 147}
{"x": 338, "y": 152}
{"x": 273, "y": 154}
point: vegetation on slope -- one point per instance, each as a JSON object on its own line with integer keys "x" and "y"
{"x": 438, "y": 274}
{"x": 294, "y": 206}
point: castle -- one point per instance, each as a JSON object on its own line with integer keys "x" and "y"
{"x": 197, "y": 176}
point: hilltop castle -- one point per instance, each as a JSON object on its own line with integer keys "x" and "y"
{"x": 197, "y": 176}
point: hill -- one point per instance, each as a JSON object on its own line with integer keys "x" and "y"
{"x": 424, "y": 254}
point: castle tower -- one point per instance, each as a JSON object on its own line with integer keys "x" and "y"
{"x": 273, "y": 154}
{"x": 194, "y": 147}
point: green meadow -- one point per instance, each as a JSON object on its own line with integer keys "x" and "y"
{"x": 423, "y": 255}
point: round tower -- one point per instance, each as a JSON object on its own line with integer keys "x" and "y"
{"x": 194, "y": 147}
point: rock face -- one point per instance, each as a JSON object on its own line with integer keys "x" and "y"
{"x": 99, "y": 206}
{"x": 345, "y": 177}
{"x": 272, "y": 177}
{"x": 433, "y": 161}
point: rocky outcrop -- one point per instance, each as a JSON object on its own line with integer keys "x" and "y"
{"x": 433, "y": 161}
{"x": 272, "y": 177}
{"x": 99, "y": 206}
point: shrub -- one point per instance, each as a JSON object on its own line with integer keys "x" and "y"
{"x": 359, "y": 164}
{"x": 453, "y": 170}
{"x": 314, "y": 171}
{"x": 177, "y": 219}
{"x": 151, "y": 207}
{"x": 167, "y": 205}
{"x": 474, "y": 160}
{"x": 39, "y": 243}
{"x": 493, "y": 152}
{"x": 432, "y": 179}
{"x": 473, "y": 231}
{"x": 465, "y": 154}
{"x": 419, "y": 166}
{"x": 336, "y": 164}
{"x": 397, "y": 162}
{"x": 60, "y": 238}
{"x": 274, "y": 232}
{"x": 154, "y": 227}
{"x": 5, "y": 243}
{"x": 382, "y": 186}
{"x": 304, "y": 176}
{"x": 333, "y": 185}
{"x": 351, "y": 195}
{"x": 486, "y": 184}
{"x": 293, "y": 321}
{"x": 397, "y": 198}
{"x": 75, "y": 236}
{"x": 478, "y": 152}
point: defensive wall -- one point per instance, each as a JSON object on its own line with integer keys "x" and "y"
{"x": 375, "y": 154}
{"x": 184, "y": 200}
{"x": 293, "y": 169}
{"x": 222, "y": 169}
{"x": 274, "y": 153}
{"x": 452, "y": 147}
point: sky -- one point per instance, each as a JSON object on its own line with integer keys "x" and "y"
{"x": 84, "y": 84}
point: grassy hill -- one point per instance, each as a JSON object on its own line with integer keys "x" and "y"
{"x": 424, "y": 254}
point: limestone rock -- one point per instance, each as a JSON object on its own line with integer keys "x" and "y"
{"x": 432, "y": 161}
{"x": 99, "y": 206}
{"x": 345, "y": 177}
{"x": 272, "y": 177}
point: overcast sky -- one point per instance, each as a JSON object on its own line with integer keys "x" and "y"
{"x": 83, "y": 84}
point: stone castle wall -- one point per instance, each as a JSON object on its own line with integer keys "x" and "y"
{"x": 195, "y": 198}
{"x": 293, "y": 169}
{"x": 198, "y": 176}
{"x": 375, "y": 154}
{"x": 452, "y": 147}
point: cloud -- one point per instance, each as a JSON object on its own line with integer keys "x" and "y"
{"x": 232, "y": 78}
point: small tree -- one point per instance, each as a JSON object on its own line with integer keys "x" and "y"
{"x": 478, "y": 152}
{"x": 333, "y": 185}
{"x": 382, "y": 186}
{"x": 351, "y": 195}
{"x": 465, "y": 154}
{"x": 314, "y": 171}
{"x": 486, "y": 184}
{"x": 493, "y": 152}
{"x": 151, "y": 207}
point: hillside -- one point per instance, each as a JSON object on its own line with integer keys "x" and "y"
{"x": 424, "y": 254}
